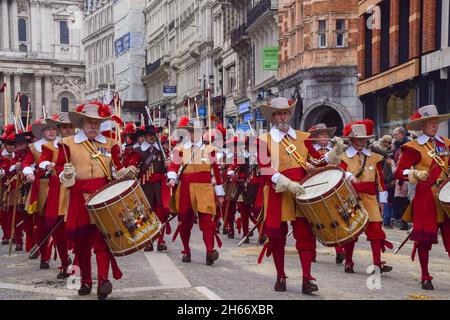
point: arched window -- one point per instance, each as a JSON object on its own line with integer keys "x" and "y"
{"x": 22, "y": 29}
{"x": 64, "y": 104}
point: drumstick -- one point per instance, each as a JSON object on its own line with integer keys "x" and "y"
{"x": 315, "y": 185}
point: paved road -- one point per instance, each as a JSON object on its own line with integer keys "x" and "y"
{"x": 236, "y": 275}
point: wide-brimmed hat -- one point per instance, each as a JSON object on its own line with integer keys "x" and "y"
{"x": 322, "y": 127}
{"x": 40, "y": 125}
{"x": 360, "y": 129}
{"x": 58, "y": 119}
{"x": 424, "y": 114}
{"x": 14, "y": 138}
{"x": 92, "y": 110}
{"x": 277, "y": 104}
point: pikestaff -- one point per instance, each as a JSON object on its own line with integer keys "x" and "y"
{"x": 18, "y": 109}
{"x": 209, "y": 116}
{"x": 28, "y": 114}
{"x": 118, "y": 112}
{"x": 17, "y": 177}
{"x": 189, "y": 106}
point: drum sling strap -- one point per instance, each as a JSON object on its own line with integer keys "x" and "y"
{"x": 96, "y": 154}
{"x": 291, "y": 149}
{"x": 363, "y": 167}
{"x": 431, "y": 151}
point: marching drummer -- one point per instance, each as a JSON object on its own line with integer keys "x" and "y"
{"x": 283, "y": 160}
{"x": 424, "y": 163}
{"x": 320, "y": 136}
{"x": 84, "y": 165}
{"x": 364, "y": 171}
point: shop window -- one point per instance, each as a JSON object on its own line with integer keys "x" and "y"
{"x": 397, "y": 107}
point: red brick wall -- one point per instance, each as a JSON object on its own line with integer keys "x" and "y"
{"x": 376, "y": 50}
{"x": 429, "y": 26}
{"x": 414, "y": 29}
{"x": 362, "y": 47}
{"x": 394, "y": 33}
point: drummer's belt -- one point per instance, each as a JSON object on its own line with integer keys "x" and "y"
{"x": 431, "y": 151}
{"x": 291, "y": 149}
{"x": 96, "y": 154}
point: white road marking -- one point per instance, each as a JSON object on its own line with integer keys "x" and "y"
{"x": 208, "y": 293}
{"x": 166, "y": 271}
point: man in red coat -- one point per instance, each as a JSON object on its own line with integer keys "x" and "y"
{"x": 84, "y": 166}
{"x": 424, "y": 163}
{"x": 282, "y": 156}
{"x": 55, "y": 208}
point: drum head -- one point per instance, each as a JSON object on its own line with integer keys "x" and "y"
{"x": 444, "y": 192}
{"x": 326, "y": 180}
{"x": 111, "y": 192}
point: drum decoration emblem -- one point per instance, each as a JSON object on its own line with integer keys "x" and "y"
{"x": 349, "y": 210}
{"x": 136, "y": 219}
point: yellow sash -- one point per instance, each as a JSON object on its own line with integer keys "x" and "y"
{"x": 96, "y": 154}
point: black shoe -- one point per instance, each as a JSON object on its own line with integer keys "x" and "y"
{"x": 104, "y": 290}
{"x": 162, "y": 247}
{"x": 230, "y": 235}
{"x": 224, "y": 231}
{"x": 308, "y": 287}
{"x": 149, "y": 248}
{"x": 44, "y": 265}
{"x": 211, "y": 257}
{"x": 63, "y": 274}
{"x": 280, "y": 285}
{"x": 19, "y": 247}
{"x": 85, "y": 289}
{"x": 247, "y": 240}
{"x": 262, "y": 240}
{"x": 385, "y": 268}
{"x": 405, "y": 226}
{"x": 427, "y": 285}
{"x": 5, "y": 242}
{"x": 340, "y": 257}
{"x": 349, "y": 269}
{"x": 186, "y": 258}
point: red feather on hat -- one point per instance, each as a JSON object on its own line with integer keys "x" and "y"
{"x": 129, "y": 128}
{"x": 416, "y": 115}
{"x": 9, "y": 128}
{"x": 184, "y": 121}
{"x": 117, "y": 120}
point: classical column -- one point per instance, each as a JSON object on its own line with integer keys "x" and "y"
{"x": 37, "y": 94}
{"x": 5, "y": 25}
{"x": 35, "y": 29}
{"x": 15, "y": 27}
{"x": 48, "y": 93}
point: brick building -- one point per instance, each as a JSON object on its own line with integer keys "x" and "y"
{"x": 403, "y": 59}
{"x": 318, "y": 60}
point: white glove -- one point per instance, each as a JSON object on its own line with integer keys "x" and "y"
{"x": 67, "y": 177}
{"x": 285, "y": 184}
{"x": 416, "y": 176}
{"x": 338, "y": 145}
{"x": 69, "y": 171}
{"x": 121, "y": 173}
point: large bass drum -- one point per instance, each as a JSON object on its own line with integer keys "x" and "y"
{"x": 124, "y": 217}
{"x": 333, "y": 208}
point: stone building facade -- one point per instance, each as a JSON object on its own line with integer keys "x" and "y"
{"x": 41, "y": 54}
{"x": 318, "y": 61}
